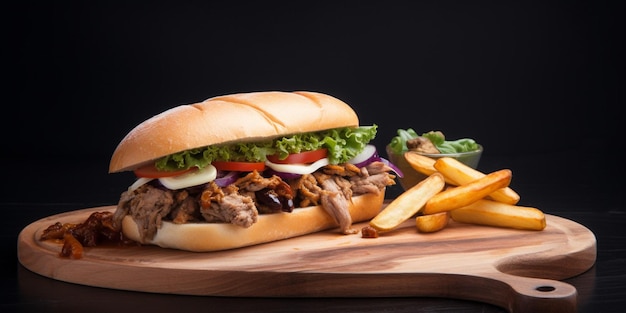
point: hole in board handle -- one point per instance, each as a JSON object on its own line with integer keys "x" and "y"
{"x": 545, "y": 288}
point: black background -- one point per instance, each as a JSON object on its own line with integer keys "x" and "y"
{"x": 519, "y": 77}
{"x": 515, "y": 76}
{"x": 539, "y": 84}
{"x": 522, "y": 78}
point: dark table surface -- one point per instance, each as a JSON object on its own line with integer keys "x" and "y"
{"x": 586, "y": 190}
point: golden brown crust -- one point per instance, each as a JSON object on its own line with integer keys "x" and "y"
{"x": 204, "y": 237}
{"x": 230, "y": 118}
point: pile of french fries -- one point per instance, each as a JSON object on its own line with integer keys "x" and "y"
{"x": 456, "y": 191}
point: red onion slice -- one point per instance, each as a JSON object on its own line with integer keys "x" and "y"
{"x": 369, "y": 155}
{"x": 226, "y": 179}
{"x": 393, "y": 167}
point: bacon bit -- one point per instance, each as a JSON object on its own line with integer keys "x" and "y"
{"x": 72, "y": 248}
{"x": 369, "y": 232}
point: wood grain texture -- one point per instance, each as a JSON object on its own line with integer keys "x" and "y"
{"x": 515, "y": 269}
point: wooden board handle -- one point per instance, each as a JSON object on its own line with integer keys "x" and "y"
{"x": 526, "y": 294}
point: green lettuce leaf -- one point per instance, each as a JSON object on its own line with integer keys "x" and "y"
{"x": 398, "y": 143}
{"x": 458, "y": 146}
{"x": 342, "y": 144}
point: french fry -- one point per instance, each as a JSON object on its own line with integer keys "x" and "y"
{"x": 456, "y": 171}
{"x": 454, "y": 198}
{"x": 494, "y": 213}
{"x": 408, "y": 203}
{"x": 432, "y": 222}
{"x": 420, "y": 163}
{"x": 424, "y": 165}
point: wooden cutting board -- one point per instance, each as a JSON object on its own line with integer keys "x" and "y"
{"x": 514, "y": 269}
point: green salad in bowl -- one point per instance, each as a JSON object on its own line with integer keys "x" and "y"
{"x": 432, "y": 144}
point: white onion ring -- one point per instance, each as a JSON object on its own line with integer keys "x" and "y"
{"x": 189, "y": 179}
{"x": 365, "y": 157}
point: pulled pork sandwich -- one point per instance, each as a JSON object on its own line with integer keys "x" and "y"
{"x": 249, "y": 168}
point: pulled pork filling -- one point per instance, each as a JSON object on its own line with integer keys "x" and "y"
{"x": 240, "y": 203}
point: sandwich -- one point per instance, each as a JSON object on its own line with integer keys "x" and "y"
{"x": 248, "y": 168}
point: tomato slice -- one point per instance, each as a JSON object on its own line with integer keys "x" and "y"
{"x": 238, "y": 166}
{"x": 302, "y": 157}
{"x": 150, "y": 171}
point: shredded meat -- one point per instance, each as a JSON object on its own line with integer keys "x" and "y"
{"x": 241, "y": 202}
{"x": 147, "y": 205}
{"x": 309, "y": 192}
{"x": 231, "y": 207}
{"x": 346, "y": 169}
{"x": 372, "y": 179}
{"x": 340, "y": 182}
{"x": 270, "y": 194}
{"x": 186, "y": 208}
{"x": 97, "y": 229}
{"x": 238, "y": 203}
{"x": 212, "y": 193}
{"x": 335, "y": 201}
{"x": 255, "y": 182}
{"x": 422, "y": 144}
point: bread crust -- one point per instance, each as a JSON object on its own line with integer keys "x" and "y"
{"x": 205, "y": 237}
{"x": 229, "y": 119}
